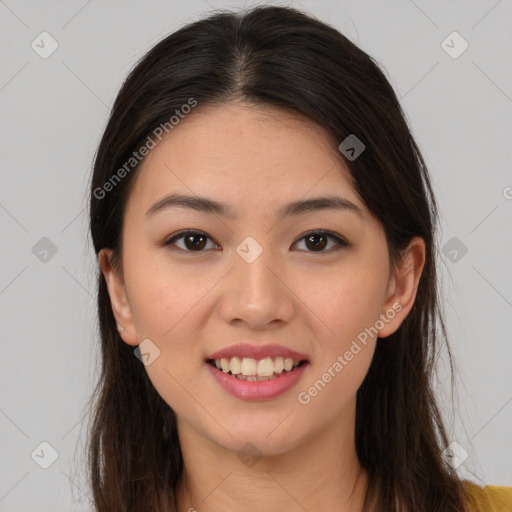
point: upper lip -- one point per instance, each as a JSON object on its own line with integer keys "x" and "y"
{"x": 257, "y": 352}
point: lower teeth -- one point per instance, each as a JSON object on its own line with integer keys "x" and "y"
{"x": 258, "y": 378}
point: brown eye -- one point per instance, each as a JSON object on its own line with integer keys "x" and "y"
{"x": 193, "y": 241}
{"x": 317, "y": 241}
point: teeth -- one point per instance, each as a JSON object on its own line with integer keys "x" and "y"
{"x": 251, "y": 369}
{"x": 240, "y": 376}
{"x": 235, "y": 365}
{"x": 278, "y": 364}
{"x": 249, "y": 366}
{"x": 265, "y": 367}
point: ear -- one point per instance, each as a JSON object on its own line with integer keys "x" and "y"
{"x": 402, "y": 288}
{"x": 118, "y": 298}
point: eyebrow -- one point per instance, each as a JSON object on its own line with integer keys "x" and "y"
{"x": 206, "y": 205}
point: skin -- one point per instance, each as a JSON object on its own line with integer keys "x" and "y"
{"x": 189, "y": 305}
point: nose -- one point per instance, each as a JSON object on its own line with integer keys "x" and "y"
{"x": 256, "y": 294}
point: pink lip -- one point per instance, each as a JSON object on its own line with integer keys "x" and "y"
{"x": 257, "y": 390}
{"x": 257, "y": 352}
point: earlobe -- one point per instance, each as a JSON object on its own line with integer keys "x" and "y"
{"x": 403, "y": 286}
{"x": 118, "y": 299}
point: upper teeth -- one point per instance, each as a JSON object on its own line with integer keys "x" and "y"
{"x": 259, "y": 367}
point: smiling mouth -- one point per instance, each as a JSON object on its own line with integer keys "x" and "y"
{"x": 256, "y": 370}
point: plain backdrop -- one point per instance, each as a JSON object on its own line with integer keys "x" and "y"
{"x": 54, "y": 108}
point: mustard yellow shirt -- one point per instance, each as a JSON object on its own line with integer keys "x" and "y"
{"x": 491, "y": 498}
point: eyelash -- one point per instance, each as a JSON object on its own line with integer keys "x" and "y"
{"x": 171, "y": 240}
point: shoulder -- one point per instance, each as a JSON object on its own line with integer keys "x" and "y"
{"x": 491, "y": 498}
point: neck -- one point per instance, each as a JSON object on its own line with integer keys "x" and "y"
{"x": 323, "y": 473}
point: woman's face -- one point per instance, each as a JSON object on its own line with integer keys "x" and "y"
{"x": 253, "y": 277}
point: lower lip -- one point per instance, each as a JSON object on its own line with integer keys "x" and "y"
{"x": 257, "y": 390}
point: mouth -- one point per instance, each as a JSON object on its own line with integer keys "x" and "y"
{"x": 257, "y": 370}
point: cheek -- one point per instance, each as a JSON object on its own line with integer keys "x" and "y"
{"x": 161, "y": 297}
{"x": 346, "y": 351}
{"x": 168, "y": 308}
{"x": 163, "y": 308}
{"x": 348, "y": 302}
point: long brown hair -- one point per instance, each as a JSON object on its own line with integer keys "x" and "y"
{"x": 279, "y": 57}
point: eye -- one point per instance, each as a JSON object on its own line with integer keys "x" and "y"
{"x": 196, "y": 241}
{"x": 318, "y": 240}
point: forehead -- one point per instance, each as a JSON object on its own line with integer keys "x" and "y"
{"x": 248, "y": 156}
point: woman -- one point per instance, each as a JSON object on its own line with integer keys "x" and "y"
{"x": 265, "y": 225}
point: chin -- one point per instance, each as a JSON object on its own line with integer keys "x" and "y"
{"x": 258, "y": 439}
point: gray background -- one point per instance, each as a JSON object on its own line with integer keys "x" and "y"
{"x": 53, "y": 114}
